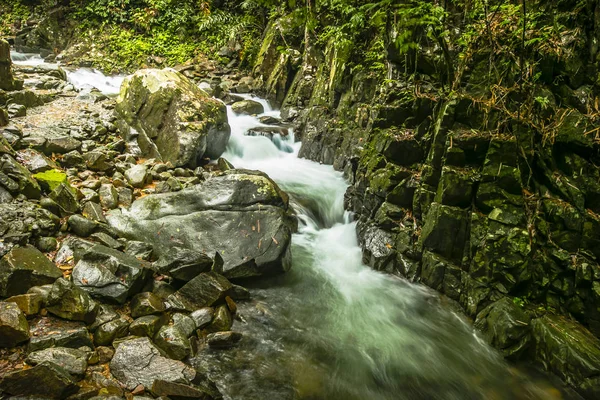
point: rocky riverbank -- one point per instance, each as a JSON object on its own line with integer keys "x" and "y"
{"x": 117, "y": 240}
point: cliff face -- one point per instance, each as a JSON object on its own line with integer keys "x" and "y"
{"x": 473, "y": 168}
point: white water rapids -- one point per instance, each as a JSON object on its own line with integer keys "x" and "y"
{"x": 332, "y": 328}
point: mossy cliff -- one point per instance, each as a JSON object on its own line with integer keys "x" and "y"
{"x": 473, "y": 158}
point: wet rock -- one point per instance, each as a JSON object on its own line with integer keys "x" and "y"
{"x": 46, "y": 379}
{"x": 73, "y": 159}
{"x": 222, "y": 320}
{"x": 46, "y": 244}
{"x": 82, "y": 226}
{"x": 148, "y": 325}
{"x": 65, "y": 198}
{"x": 51, "y": 332}
{"x": 204, "y": 290}
{"x": 98, "y": 161}
{"x": 169, "y": 114}
{"x": 109, "y": 198}
{"x": 138, "y": 362}
{"x": 16, "y": 110}
{"x": 105, "y": 314}
{"x": 60, "y": 145}
{"x": 74, "y": 361}
{"x": 184, "y": 323}
{"x": 238, "y": 292}
{"x": 93, "y": 211}
{"x": 14, "y": 328}
{"x": 105, "y": 354}
{"x": 242, "y": 215}
{"x": 173, "y": 342}
{"x": 138, "y": 176}
{"x": 35, "y": 162}
{"x": 106, "y": 240}
{"x": 247, "y": 107}
{"x": 108, "y": 332}
{"x": 23, "y": 268}
{"x": 17, "y": 179}
{"x": 570, "y": 351}
{"x": 146, "y": 304}
{"x": 125, "y": 196}
{"x": 109, "y": 274}
{"x": 70, "y": 302}
{"x": 139, "y": 250}
{"x": 505, "y": 326}
{"x": 203, "y": 317}
{"x": 223, "y": 340}
{"x": 28, "y": 303}
{"x": 183, "y": 264}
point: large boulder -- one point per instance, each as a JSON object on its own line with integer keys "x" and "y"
{"x": 241, "y": 215}
{"x": 23, "y": 268}
{"x": 171, "y": 118}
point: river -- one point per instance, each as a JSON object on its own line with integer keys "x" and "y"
{"x": 332, "y": 328}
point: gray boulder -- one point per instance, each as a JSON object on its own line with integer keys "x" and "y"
{"x": 171, "y": 118}
{"x": 109, "y": 274}
{"x": 241, "y": 215}
{"x": 139, "y": 362}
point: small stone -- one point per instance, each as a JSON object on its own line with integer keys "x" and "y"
{"x": 82, "y": 226}
{"x": 222, "y": 320}
{"x": 14, "y": 328}
{"x": 107, "y": 333}
{"x": 74, "y": 361}
{"x": 223, "y": 340}
{"x": 93, "y": 211}
{"x": 146, "y": 304}
{"x": 46, "y": 244}
{"x": 247, "y": 107}
{"x": 105, "y": 354}
{"x": 141, "y": 250}
{"x": 139, "y": 362}
{"x": 173, "y": 342}
{"x": 70, "y": 302}
{"x": 50, "y": 332}
{"x": 108, "y": 196}
{"x": 107, "y": 240}
{"x": 66, "y": 199}
{"x": 148, "y": 325}
{"x": 98, "y": 161}
{"x": 204, "y": 290}
{"x": 137, "y": 176}
{"x": 28, "y": 303}
{"x": 203, "y": 317}
{"x": 60, "y": 145}
{"x": 125, "y": 196}
{"x": 185, "y": 324}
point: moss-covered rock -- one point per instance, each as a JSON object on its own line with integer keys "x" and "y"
{"x": 50, "y": 180}
{"x": 171, "y": 118}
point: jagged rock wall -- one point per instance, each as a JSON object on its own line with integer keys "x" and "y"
{"x": 467, "y": 198}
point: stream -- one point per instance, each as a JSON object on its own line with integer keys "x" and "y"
{"x": 332, "y": 328}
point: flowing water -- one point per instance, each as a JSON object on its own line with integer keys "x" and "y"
{"x": 332, "y": 328}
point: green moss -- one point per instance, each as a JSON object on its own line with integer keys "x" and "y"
{"x": 50, "y": 180}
